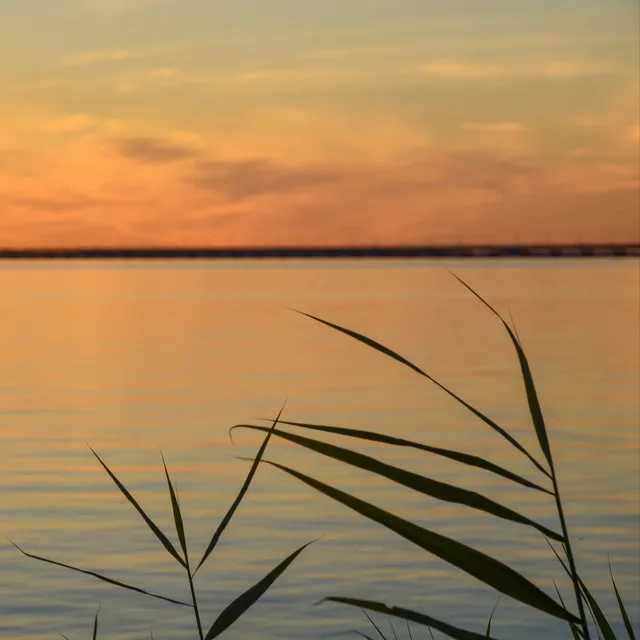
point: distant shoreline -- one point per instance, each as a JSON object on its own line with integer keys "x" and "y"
{"x": 604, "y": 250}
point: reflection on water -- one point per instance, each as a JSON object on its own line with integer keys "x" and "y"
{"x": 133, "y": 358}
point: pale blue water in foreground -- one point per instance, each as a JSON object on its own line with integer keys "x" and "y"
{"x": 137, "y": 357}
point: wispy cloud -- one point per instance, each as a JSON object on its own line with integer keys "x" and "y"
{"x": 510, "y": 138}
{"x": 71, "y": 123}
{"x": 153, "y": 150}
{"x": 332, "y": 72}
{"x": 590, "y": 121}
{"x": 93, "y": 56}
{"x": 269, "y": 77}
{"x": 242, "y": 179}
{"x": 164, "y": 72}
{"x": 327, "y": 54}
{"x": 80, "y": 123}
{"x": 126, "y": 88}
{"x": 37, "y": 86}
{"x": 493, "y": 127}
{"x": 295, "y": 75}
{"x": 477, "y": 70}
{"x": 119, "y": 7}
{"x": 67, "y": 231}
{"x": 424, "y": 197}
{"x": 62, "y": 204}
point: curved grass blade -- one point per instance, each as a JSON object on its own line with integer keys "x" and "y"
{"x": 488, "y": 632}
{"x": 166, "y": 543}
{"x": 623, "y": 610}
{"x": 177, "y": 513}
{"x": 593, "y": 618}
{"x": 374, "y": 625}
{"x": 95, "y": 625}
{"x": 601, "y": 621}
{"x": 117, "y": 583}
{"x": 95, "y": 628}
{"x": 251, "y": 596}
{"x": 392, "y": 354}
{"x": 457, "y": 456}
{"x": 411, "y": 616}
{"x": 564, "y": 566}
{"x": 532, "y": 396}
{"x": 236, "y": 503}
{"x": 427, "y": 486}
{"x": 473, "y": 562}
{"x": 543, "y": 439}
{"x": 363, "y": 635}
{"x": 408, "y": 630}
{"x": 575, "y": 632}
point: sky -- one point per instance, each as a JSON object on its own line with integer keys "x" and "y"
{"x": 279, "y": 122}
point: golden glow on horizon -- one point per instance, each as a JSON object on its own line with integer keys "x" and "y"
{"x": 142, "y": 122}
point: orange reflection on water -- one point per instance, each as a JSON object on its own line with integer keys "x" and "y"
{"x": 136, "y": 357}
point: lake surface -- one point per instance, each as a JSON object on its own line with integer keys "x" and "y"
{"x": 133, "y": 358}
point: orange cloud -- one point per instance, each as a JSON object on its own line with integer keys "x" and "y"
{"x": 151, "y": 191}
{"x": 256, "y": 177}
{"x": 152, "y": 150}
{"x": 72, "y": 123}
{"x": 379, "y": 130}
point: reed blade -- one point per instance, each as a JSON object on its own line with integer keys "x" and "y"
{"x": 421, "y": 484}
{"x": 488, "y": 632}
{"x": 243, "y": 602}
{"x": 166, "y": 543}
{"x": 457, "y": 456}
{"x": 395, "y": 356}
{"x": 99, "y": 576}
{"x": 535, "y": 409}
{"x": 623, "y": 610}
{"x": 473, "y": 562}
{"x": 236, "y": 503}
{"x": 575, "y": 632}
{"x": 95, "y": 625}
{"x": 537, "y": 418}
{"x": 408, "y": 630}
{"x": 177, "y": 513}
{"x": 410, "y": 616}
{"x": 600, "y": 619}
{"x": 374, "y": 625}
{"x": 395, "y": 635}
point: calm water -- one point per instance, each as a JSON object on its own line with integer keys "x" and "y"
{"x": 133, "y": 358}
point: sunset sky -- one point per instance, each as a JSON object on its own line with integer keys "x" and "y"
{"x": 203, "y": 122}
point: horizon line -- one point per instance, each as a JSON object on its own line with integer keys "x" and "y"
{"x": 497, "y": 250}
{"x": 313, "y": 246}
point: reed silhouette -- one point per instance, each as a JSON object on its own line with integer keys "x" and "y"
{"x": 584, "y": 617}
{"x": 487, "y": 569}
{"x": 182, "y": 557}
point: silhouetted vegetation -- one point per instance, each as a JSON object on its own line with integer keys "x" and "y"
{"x": 182, "y": 557}
{"x": 583, "y": 616}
